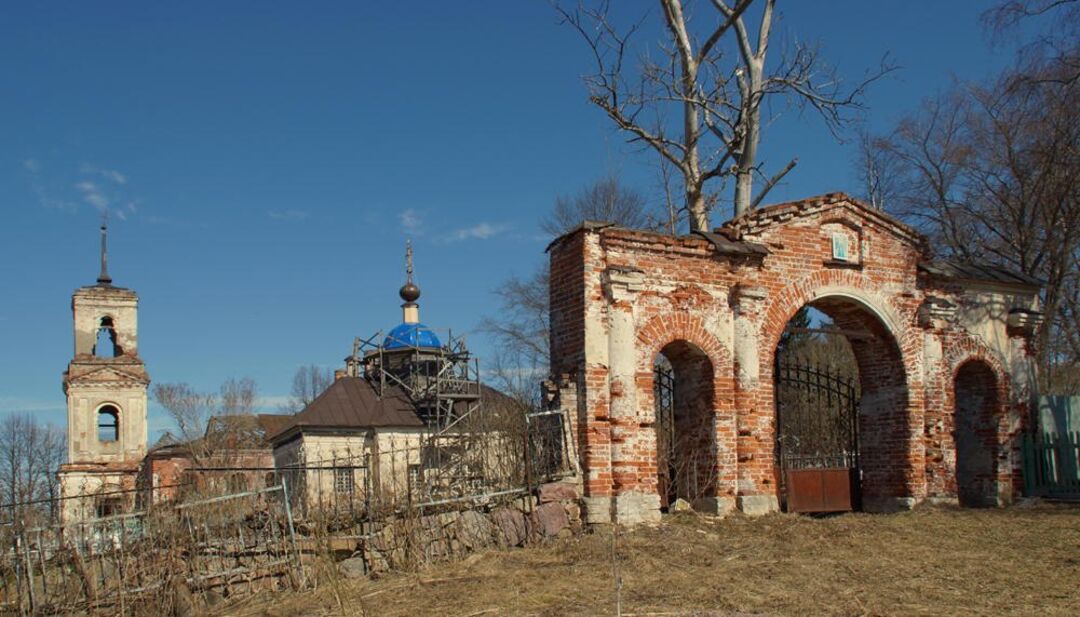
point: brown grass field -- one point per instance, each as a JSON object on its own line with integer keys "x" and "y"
{"x": 1023, "y": 560}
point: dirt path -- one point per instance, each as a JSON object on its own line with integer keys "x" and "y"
{"x": 933, "y": 561}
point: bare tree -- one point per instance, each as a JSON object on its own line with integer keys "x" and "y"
{"x": 520, "y": 327}
{"x": 604, "y": 200}
{"x": 1056, "y": 48}
{"x": 192, "y": 411}
{"x": 520, "y": 331}
{"x": 30, "y": 455}
{"x": 238, "y": 396}
{"x": 308, "y": 383}
{"x": 874, "y": 164}
{"x": 992, "y": 173}
{"x": 696, "y": 107}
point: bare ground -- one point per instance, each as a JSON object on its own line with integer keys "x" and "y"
{"x": 1023, "y": 560}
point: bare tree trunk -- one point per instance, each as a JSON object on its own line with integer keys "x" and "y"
{"x": 695, "y": 106}
{"x": 699, "y": 214}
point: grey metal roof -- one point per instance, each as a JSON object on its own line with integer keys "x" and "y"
{"x": 977, "y": 272}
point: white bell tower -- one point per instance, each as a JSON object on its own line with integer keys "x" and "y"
{"x": 105, "y": 385}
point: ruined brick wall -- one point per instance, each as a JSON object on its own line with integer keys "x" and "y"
{"x": 717, "y": 305}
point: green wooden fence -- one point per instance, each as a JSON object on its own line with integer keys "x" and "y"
{"x": 1052, "y": 464}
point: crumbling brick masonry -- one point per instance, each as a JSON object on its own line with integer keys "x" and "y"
{"x": 943, "y": 356}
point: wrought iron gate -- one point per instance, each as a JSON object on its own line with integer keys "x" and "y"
{"x": 664, "y": 396}
{"x": 817, "y": 439}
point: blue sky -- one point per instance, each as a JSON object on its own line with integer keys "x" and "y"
{"x": 264, "y": 163}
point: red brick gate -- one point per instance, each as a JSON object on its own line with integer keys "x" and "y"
{"x": 715, "y": 305}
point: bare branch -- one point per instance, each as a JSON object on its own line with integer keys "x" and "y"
{"x": 772, "y": 182}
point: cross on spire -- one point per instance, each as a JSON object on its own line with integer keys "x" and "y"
{"x": 104, "y": 278}
{"x": 408, "y": 262}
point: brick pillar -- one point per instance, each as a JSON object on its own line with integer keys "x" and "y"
{"x": 633, "y": 446}
{"x": 935, "y": 316}
{"x": 938, "y": 424}
{"x": 756, "y": 493}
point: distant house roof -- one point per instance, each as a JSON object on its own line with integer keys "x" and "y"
{"x": 240, "y": 431}
{"x": 354, "y": 403}
{"x": 272, "y": 423}
{"x": 977, "y": 272}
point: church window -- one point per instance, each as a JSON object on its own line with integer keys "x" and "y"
{"x": 344, "y": 481}
{"x": 108, "y": 506}
{"x": 108, "y": 423}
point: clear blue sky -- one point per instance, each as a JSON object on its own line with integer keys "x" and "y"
{"x": 265, "y": 161}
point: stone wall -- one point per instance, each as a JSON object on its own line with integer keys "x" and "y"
{"x": 406, "y": 542}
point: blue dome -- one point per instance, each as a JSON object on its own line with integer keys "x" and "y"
{"x": 411, "y": 335}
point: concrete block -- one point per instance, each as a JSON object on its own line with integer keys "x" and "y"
{"x": 757, "y": 505}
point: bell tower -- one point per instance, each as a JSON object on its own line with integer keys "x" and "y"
{"x": 105, "y": 384}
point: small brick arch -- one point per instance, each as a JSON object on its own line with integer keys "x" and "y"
{"x": 664, "y": 329}
{"x": 965, "y": 357}
{"x": 966, "y": 348}
{"x": 688, "y": 335}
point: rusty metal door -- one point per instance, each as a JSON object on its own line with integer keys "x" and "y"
{"x": 817, "y": 439}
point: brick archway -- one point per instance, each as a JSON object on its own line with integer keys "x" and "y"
{"x": 620, "y": 296}
{"x": 890, "y": 414}
{"x": 977, "y": 407}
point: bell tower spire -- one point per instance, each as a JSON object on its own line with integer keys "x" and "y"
{"x": 104, "y": 278}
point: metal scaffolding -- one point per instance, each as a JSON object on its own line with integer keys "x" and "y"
{"x": 442, "y": 382}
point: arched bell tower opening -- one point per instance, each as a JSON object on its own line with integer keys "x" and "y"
{"x": 976, "y": 434}
{"x": 841, "y": 397}
{"x": 105, "y": 345}
{"x": 685, "y": 424}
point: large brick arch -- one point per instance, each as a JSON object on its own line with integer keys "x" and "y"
{"x": 839, "y": 283}
{"x": 890, "y": 415}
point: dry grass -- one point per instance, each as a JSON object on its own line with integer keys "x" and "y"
{"x": 932, "y": 561}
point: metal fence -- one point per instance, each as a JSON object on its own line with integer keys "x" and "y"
{"x": 359, "y": 482}
{"x": 213, "y": 538}
{"x": 1052, "y": 465}
{"x": 153, "y": 561}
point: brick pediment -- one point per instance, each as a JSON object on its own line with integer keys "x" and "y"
{"x": 836, "y": 207}
{"x": 106, "y": 374}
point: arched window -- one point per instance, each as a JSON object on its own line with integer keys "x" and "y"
{"x": 105, "y": 346}
{"x": 108, "y": 422}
